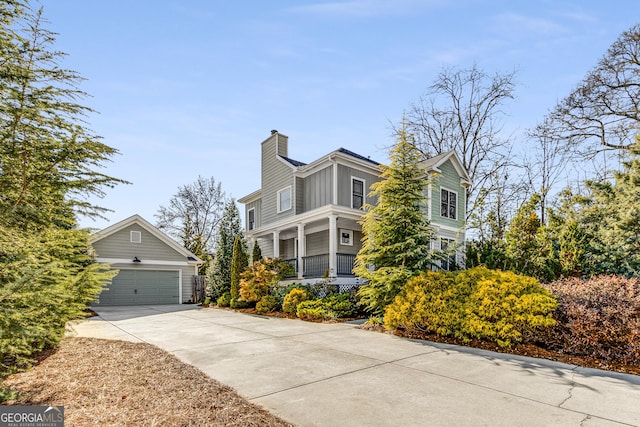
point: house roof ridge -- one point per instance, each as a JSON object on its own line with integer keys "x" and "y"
{"x": 155, "y": 231}
{"x": 356, "y": 155}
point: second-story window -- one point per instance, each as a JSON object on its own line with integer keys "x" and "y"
{"x": 251, "y": 219}
{"x": 448, "y": 204}
{"x": 284, "y": 199}
{"x": 357, "y": 193}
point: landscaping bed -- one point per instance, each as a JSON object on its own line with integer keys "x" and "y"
{"x": 119, "y": 383}
{"x": 530, "y": 350}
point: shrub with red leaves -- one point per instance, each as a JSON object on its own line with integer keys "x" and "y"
{"x": 598, "y": 317}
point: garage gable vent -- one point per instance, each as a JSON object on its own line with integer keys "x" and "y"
{"x": 136, "y": 237}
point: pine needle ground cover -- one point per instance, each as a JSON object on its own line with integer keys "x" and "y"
{"x": 118, "y": 383}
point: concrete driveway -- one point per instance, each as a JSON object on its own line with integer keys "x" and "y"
{"x": 314, "y": 374}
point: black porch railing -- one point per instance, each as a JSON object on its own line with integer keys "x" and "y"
{"x": 315, "y": 265}
{"x": 318, "y": 265}
{"x": 344, "y": 264}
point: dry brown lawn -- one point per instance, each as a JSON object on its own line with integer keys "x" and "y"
{"x": 118, "y": 383}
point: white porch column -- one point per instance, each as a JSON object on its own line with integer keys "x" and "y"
{"x": 276, "y": 244}
{"x": 302, "y": 250}
{"x": 333, "y": 244}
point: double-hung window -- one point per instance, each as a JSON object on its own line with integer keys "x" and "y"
{"x": 448, "y": 204}
{"x": 357, "y": 193}
{"x": 449, "y": 261}
{"x": 251, "y": 219}
{"x": 284, "y": 199}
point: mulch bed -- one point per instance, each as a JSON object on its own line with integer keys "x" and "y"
{"x": 119, "y": 383}
{"x": 530, "y": 350}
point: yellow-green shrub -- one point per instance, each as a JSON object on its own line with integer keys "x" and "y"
{"x": 475, "y": 303}
{"x": 293, "y": 298}
{"x": 430, "y": 301}
{"x": 256, "y": 281}
{"x": 329, "y": 307}
{"x": 267, "y": 303}
{"x": 503, "y": 303}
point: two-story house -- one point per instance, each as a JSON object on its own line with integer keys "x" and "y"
{"x": 309, "y": 213}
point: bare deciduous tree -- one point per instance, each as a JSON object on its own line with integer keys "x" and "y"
{"x": 603, "y": 111}
{"x": 194, "y": 214}
{"x": 544, "y": 168}
{"x": 461, "y": 111}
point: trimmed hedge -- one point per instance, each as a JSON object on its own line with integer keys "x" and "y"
{"x": 476, "y": 303}
{"x": 596, "y": 317}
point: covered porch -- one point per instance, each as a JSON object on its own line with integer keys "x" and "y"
{"x": 317, "y": 266}
{"x": 317, "y": 246}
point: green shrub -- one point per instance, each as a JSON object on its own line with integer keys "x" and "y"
{"x": 313, "y": 310}
{"x": 503, "y": 304}
{"x": 281, "y": 291}
{"x": 431, "y": 302}
{"x": 339, "y": 305}
{"x": 597, "y": 317}
{"x": 267, "y": 303}
{"x": 47, "y": 277}
{"x": 293, "y": 298}
{"x": 476, "y": 303}
{"x": 238, "y": 303}
{"x": 224, "y": 300}
{"x": 330, "y": 307}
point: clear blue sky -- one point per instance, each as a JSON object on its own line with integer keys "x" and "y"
{"x": 191, "y": 87}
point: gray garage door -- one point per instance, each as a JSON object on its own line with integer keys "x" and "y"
{"x": 137, "y": 287}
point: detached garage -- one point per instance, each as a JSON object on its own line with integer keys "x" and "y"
{"x": 153, "y": 268}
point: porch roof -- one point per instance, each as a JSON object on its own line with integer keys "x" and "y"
{"x": 319, "y": 214}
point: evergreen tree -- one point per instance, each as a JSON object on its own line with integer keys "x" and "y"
{"x": 48, "y": 159}
{"x": 47, "y": 278}
{"x": 569, "y": 231}
{"x": 230, "y": 228}
{"x": 239, "y": 262}
{"x": 256, "y": 254}
{"x": 612, "y": 217}
{"x": 47, "y": 156}
{"x": 520, "y": 238}
{"x": 397, "y": 236}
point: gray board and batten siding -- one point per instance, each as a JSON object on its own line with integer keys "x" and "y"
{"x": 155, "y": 279}
{"x": 345, "y": 176}
{"x": 277, "y": 175}
{"x": 119, "y": 245}
{"x": 318, "y": 189}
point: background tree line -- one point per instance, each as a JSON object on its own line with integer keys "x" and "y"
{"x": 568, "y": 206}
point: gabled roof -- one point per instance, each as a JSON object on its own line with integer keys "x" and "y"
{"x": 434, "y": 163}
{"x": 138, "y": 220}
{"x": 357, "y": 156}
